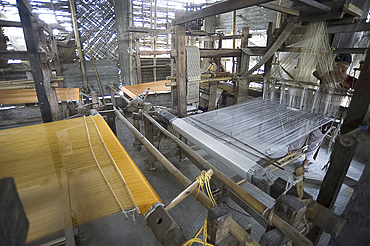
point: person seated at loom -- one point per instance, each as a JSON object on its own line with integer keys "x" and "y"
{"x": 316, "y": 137}
{"x": 339, "y": 76}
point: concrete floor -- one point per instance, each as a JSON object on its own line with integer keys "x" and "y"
{"x": 190, "y": 214}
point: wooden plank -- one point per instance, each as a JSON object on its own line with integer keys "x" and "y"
{"x": 22, "y": 55}
{"x": 216, "y": 9}
{"x": 5, "y": 23}
{"x": 273, "y": 48}
{"x": 314, "y": 4}
{"x": 281, "y": 9}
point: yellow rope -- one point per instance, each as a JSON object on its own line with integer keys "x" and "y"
{"x": 203, "y": 179}
{"x": 195, "y": 239}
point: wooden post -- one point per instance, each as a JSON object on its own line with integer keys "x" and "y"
{"x": 174, "y": 96}
{"x": 242, "y": 93}
{"x": 270, "y": 38}
{"x": 360, "y": 100}
{"x": 341, "y": 157}
{"x": 112, "y": 96}
{"x": 122, "y": 9}
{"x": 212, "y": 95}
{"x": 148, "y": 127}
{"x": 180, "y": 70}
{"x": 138, "y": 62}
{"x": 42, "y": 84}
{"x": 136, "y": 123}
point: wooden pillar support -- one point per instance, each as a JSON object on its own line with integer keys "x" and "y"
{"x": 360, "y": 100}
{"x": 122, "y": 10}
{"x": 112, "y": 96}
{"x": 341, "y": 157}
{"x": 148, "y": 127}
{"x": 242, "y": 93}
{"x": 180, "y": 63}
{"x": 270, "y": 31}
{"x": 136, "y": 122}
{"x": 212, "y": 95}
{"x": 138, "y": 62}
{"x": 47, "y": 99}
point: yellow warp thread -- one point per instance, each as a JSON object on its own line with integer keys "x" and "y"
{"x": 195, "y": 239}
{"x": 203, "y": 179}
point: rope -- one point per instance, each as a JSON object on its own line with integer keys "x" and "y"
{"x": 195, "y": 239}
{"x": 136, "y": 208}
{"x": 203, "y": 179}
{"x": 98, "y": 164}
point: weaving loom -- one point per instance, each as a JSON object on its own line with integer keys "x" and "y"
{"x": 81, "y": 156}
{"x": 255, "y": 126}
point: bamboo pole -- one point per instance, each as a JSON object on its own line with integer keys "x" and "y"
{"x": 78, "y": 42}
{"x": 242, "y": 235}
{"x": 185, "y": 193}
{"x": 201, "y": 163}
{"x": 96, "y": 71}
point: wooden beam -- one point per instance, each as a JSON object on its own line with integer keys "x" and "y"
{"x": 360, "y": 26}
{"x": 351, "y": 9}
{"x": 210, "y": 53}
{"x": 335, "y": 51}
{"x": 21, "y": 55}
{"x": 314, "y": 4}
{"x": 281, "y": 9}
{"x": 273, "y": 48}
{"x": 5, "y": 23}
{"x": 216, "y": 9}
{"x": 148, "y": 30}
{"x": 153, "y": 53}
